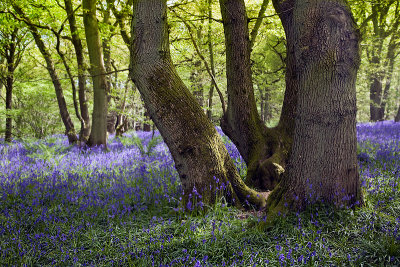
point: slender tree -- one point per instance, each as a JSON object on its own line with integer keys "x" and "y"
{"x": 98, "y": 135}
{"x": 77, "y": 43}
{"x": 12, "y": 46}
{"x": 64, "y": 113}
{"x": 212, "y": 61}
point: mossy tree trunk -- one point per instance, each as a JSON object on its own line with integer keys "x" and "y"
{"x": 201, "y": 158}
{"x": 323, "y": 163}
{"x": 98, "y": 135}
{"x": 62, "y": 105}
{"x": 264, "y": 150}
{"x": 77, "y": 43}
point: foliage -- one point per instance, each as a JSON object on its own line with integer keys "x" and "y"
{"x": 107, "y": 208}
{"x": 135, "y": 140}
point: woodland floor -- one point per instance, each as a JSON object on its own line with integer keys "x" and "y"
{"x": 64, "y": 206}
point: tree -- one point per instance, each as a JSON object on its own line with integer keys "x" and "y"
{"x": 319, "y": 106}
{"x": 379, "y": 25}
{"x": 77, "y": 43}
{"x": 64, "y": 113}
{"x": 98, "y": 135}
{"x": 265, "y": 150}
{"x": 311, "y": 90}
{"x": 382, "y": 64}
{"x": 322, "y": 164}
{"x": 201, "y": 158}
{"x": 13, "y": 42}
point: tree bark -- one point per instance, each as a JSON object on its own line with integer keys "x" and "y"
{"x": 62, "y": 105}
{"x": 201, "y": 159}
{"x": 323, "y": 163}
{"x": 98, "y": 135}
{"x": 265, "y": 151}
{"x": 77, "y": 43}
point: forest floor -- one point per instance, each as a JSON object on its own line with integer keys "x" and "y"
{"x": 60, "y": 205}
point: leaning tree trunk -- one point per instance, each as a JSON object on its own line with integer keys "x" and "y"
{"x": 77, "y": 43}
{"x": 265, "y": 151}
{"x": 62, "y": 105}
{"x": 201, "y": 158}
{"x": 323, "y": 163}
{"x": 98, "y": 135}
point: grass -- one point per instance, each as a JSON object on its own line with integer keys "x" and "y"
{"x": 67, "y": 207}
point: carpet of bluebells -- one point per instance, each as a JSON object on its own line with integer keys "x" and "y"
{"x": 66, "y": 206}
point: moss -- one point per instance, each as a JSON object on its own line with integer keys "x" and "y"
{"x": 278, "y": 204}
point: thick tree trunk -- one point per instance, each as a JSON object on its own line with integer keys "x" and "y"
{"x": 201, "y": 159}
{"x": 323, "y": 163}
{"x": 98, "y": 135}
{"x": 62, "y": 105}
{"x": 77, "y": 43}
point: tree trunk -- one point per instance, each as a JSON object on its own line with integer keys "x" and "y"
{"x": 323, "y": 163}
{"x": 62, "y": 105}
{"x": 146, "y": 120}
{"x": 98, "y": 135}
{"x": 390, "y": 59}
{"x": 212, "y": 64}
{"x": 265, "y": 151}
{"x": 375, "y": 91}
{"x": 201, "y": 158}
{"x": 121, "y": 118}
{"x": 397, "y": 117}
{"x": 71, "y": 77}
{"x": 77, "y": 43}
{"x": 10, "y": 54}
{"x": 9, "y": 89}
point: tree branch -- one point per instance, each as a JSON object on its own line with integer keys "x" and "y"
{"x": 221, "y": 97}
